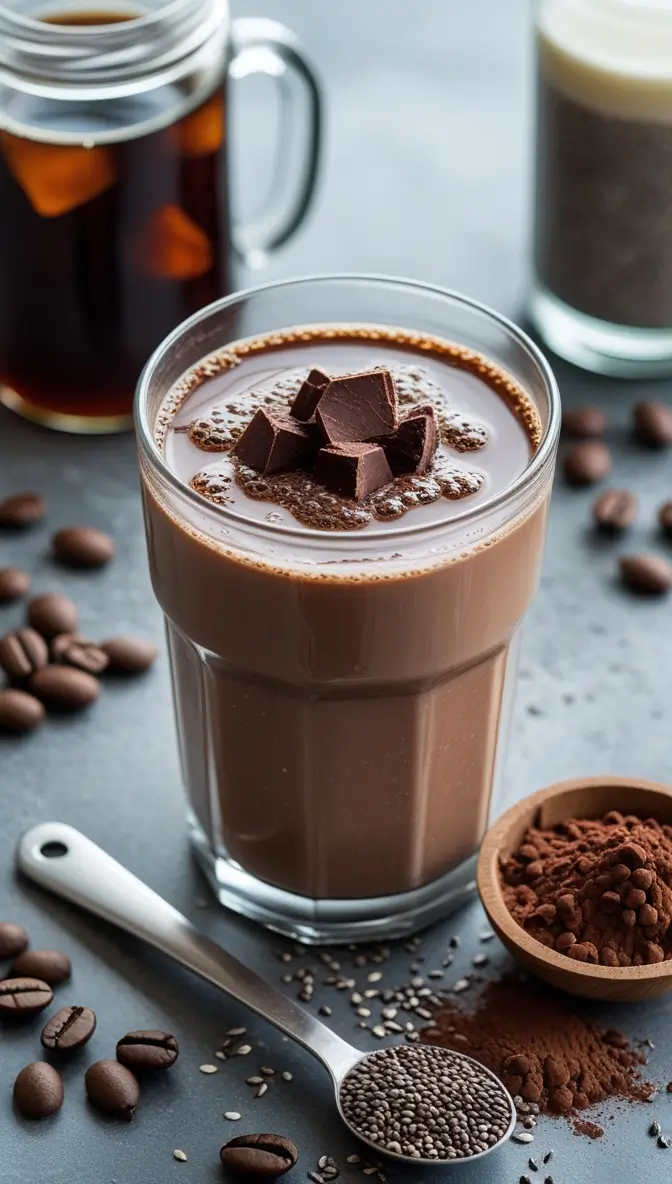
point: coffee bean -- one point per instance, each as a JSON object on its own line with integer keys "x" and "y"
{"x": 82, "y": 546}
{"x": 112, "y": 1088}
{"x": 52, "y": 614}
{"x": 614, "y": 510}
{"x": 13, "y": 939}
{"x": 649, "y": 574}
{"x": 22, "y": 652}
{"x": 50, "y": 966}
{"x": 13, "y": 584}
{"x": 24, "y": 509}
{"x": 259, "y": 1155}
{"x": 78, "y": 652}
{"x": 19, "y": 712}
{"x": 71, "y": 1028}
{"x": 142, "y": 1051}
{"x": 653, "y": 424}
{"x": 129, "y": 655}
{"x": 587, "y": 463}
{"x": 22, "y": 998}
{"x": 665, "y": 518}
{"x": 38, "y": 1090}
{"x": 583, "y": 423}
{"x": 63, "y": 688}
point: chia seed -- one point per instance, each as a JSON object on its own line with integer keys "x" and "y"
{"x": 425, "y": 1103}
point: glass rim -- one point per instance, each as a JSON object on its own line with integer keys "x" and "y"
{"x": 153, "y": 454}
{"x": 167, "y": 11}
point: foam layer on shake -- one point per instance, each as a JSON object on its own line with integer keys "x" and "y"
{"x": 614, "y": 57}
{"x": 489, "y": 426}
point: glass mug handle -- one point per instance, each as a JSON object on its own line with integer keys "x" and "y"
{"x": 262, "y": 46}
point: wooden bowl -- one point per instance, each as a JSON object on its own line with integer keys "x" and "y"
{"x": 589, "y": 797}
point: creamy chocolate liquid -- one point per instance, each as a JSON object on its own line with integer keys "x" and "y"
{"x": 604, "y": 159}
{"x": 339, "y": 695}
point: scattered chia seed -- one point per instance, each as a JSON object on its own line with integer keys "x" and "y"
{"x": 354, "y": 1159}
{"x": 522, "y": 1137}
{"x": 461, "y": 985}
{"x": 243, "y": 1050}
{"x": 664, "y": 1142}
{"x": 426, "y": 1103}
{"x": 548, "y": 1180}
{"x": 232, "y": 1115}
{"x": 261, "y": 1090}
{"x": 480, "y": 960}
{"x": 524, "y": 1180}
{"x": 208, "y": 1069}
{"x": 221, "y": 1056}
{"x": 548, "y": 1157}
{"x": 316, "y": 1177}
{"x": 533, "y": 1165}
{"x": 236, "y": 1032}
{"x": 454, "y": 943}
{"x": 267, "y": 1071}
{"x": 324, "y": 1009}
{"x": 375, "y": 976}
{"x": 254, "y": 1081}
{"x": 378, "y": 1030}
{"x": 486, "y": 935}
{"x": 287, "y": 1076}
{"x": 179, "y": 1155}
{"x": 655, "y": 1129}
{"x": 287, "y": 978}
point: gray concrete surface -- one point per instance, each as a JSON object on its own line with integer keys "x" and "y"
{"x": 426, "y": 174}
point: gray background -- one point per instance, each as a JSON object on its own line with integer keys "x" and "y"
{"x": 426, "y": 174}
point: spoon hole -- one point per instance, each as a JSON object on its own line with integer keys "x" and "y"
{"x": 53, "y": 850}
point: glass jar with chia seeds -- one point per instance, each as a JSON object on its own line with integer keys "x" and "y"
{"x": 602, "y": 294}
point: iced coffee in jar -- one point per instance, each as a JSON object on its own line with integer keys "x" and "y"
{"x": 115, "y": 220}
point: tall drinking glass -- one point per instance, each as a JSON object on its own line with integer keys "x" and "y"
{"x": 342, "y": 697}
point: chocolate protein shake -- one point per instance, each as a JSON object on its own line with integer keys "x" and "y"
{"x": 339, "y": 615}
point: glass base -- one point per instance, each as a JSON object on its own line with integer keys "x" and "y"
{"x": 92, "y": 425}
{"x": 603, "y": 348}
{"x": 331, "y": 922}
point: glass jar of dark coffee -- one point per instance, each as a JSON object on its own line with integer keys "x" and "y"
{"x": 115, "y": 219}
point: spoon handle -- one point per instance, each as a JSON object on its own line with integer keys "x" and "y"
{"x": 64, "y": 861}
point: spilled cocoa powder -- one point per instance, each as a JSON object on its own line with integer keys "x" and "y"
{"x": 596, "y": 890}
{"x": 543, "y": 1052}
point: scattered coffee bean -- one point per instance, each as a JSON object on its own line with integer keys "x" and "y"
{"x": 76, "y": 651}
{"x": 587, "y": 463}
{"x": 129, "y": 655}
{"x": 49, "y": 966}
{"x": 22, "y": 652}
{"x": 82, "y": 546}
{"x": 13, "y": 939}
{"x": 14, "y": 583}
{"x": 648, "y": 574}
{"x": 38, "y": 1091}
{"x": 259, "y": 1155}
{"x": 141, "y": 1051}
{"x": 112, "y": 1088}
{"x": 71, "y": 1028}
{"x": 665, "y": 518}
{"x": 653, "y": 424}
{"x": 22, "y": 998}
{"x": 24, "y": 509}
{"x": 63, "y": 688}
{"x": 583, "y": 423}
{"x": 52, "y": 614}
{"x": 19, "y": 712}
{"x": 614, "y": 510}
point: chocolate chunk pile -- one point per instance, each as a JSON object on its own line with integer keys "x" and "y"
{"x": 346, "y": 430}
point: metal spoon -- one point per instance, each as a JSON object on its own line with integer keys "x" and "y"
{"x": 64, "y": 861}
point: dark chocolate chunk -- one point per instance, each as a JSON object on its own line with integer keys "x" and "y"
{"x": 353, "y": 470}
{"x": 358, "y": 407}
{"x": 273, "y": 442}
{"x": 308, "y": 396}
{"x": 412, "y": 447}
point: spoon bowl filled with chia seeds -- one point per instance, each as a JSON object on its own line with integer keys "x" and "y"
{"x": 420, "y": 1105}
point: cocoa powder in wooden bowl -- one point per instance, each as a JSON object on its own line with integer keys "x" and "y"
{"x": 586, "y": 906}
